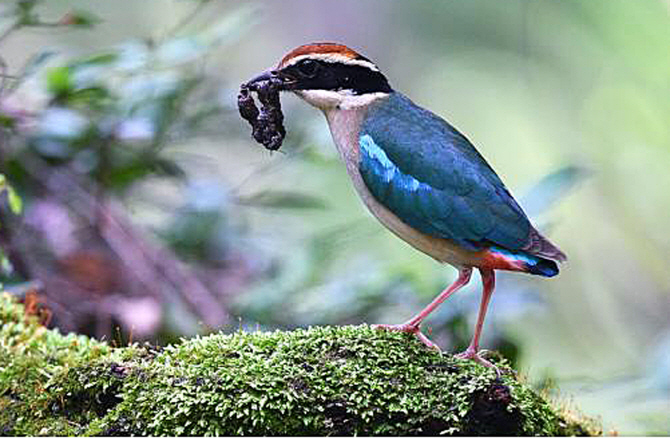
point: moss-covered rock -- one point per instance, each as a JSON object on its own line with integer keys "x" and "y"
{"x": 318, "y": 381}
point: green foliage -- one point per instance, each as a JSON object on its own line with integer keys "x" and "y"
{"x": 59, "y": 81}
{"x": 110, "y": 122}
{"x": 13, "y": 199}
{"x": 316, "y": 381}
{"x": 110, "y": 115}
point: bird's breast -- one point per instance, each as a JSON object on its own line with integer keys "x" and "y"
{"x": 344, "y": 127}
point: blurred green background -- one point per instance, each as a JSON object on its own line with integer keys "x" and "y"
{"x": 135, "y": 101}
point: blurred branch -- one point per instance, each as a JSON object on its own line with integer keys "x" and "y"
{"x": 152, "y": 265}
{"x": 26, "y": 18}
{"x": 159, "y": 263}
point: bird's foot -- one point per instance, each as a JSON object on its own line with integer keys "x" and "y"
{"x": 408, "y": 328}
{"x": 473, "y": 354}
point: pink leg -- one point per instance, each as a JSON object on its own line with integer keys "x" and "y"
{"x": 488, "y": 280}
{"x": 412, "y": 326}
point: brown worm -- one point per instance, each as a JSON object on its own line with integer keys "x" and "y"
{"x": 267, "y": 124}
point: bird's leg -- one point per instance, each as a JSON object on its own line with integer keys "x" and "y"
{"x": 488, "y": 281}
{"x": 412, "y": 326}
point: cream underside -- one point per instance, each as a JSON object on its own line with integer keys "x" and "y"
{"x": 343, "y": 125}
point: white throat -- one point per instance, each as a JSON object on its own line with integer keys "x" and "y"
{"x": 328, "y": 100}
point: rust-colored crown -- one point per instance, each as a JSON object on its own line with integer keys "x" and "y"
{"x": 322, "y": 48}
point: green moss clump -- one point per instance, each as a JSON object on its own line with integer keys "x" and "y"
{"x": 31, "y": 358}
{"x": 318, "y": 381}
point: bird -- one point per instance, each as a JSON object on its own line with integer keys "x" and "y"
{"x": 418, "y": 175}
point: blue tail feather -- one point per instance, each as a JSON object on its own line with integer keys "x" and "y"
{"x": 531, "y": 264}
{"x": 544, "y": 267}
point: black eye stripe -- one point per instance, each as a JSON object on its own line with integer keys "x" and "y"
{"x": 319, "y": 74}
{"x": 308, "y": 67}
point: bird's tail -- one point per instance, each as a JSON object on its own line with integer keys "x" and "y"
{"x": 543, "y": 267}
{"x": 541, "y": 246}
{"x": 500, "y": 258}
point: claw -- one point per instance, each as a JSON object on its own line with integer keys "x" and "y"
{"x": 472, "y": 354}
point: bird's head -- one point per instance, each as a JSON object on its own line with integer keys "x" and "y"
{"x": 328, "y": 76}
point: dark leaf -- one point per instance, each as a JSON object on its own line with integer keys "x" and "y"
{"x": 7, "y": 121}
{"x": 165, "y": 167}
{"x": 25, "y": 11}
{"x": 122, "y": 177}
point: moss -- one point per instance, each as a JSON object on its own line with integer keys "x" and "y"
{"x": 317, "y": 381}
{"x": 31, "y": 357}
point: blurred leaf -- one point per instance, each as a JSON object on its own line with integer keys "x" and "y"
{"x": 15, "y": 202}
{"x": 97, "y": 59}
{"x": 25, "y": 11}
{"x": 7, "y": 121}
{"x": 167, "y": 167}
{"x": 277, "y": 199}
{"x": 552, "y": 188}
{"x": 59, "y": 80}
{"x": 94, "y": 97}
{"x": 122, "y": 176}
{"x": 79, "y": 18}
{"x": 91, "y": 71}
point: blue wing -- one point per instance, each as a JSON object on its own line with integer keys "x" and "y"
{"x": 431, "y": 177}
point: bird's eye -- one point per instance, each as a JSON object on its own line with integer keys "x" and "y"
{"x": 308, "y": 68}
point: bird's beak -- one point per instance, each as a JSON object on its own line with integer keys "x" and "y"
{"x": 265, "y": 76}
{"x": 283, "y": 81}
